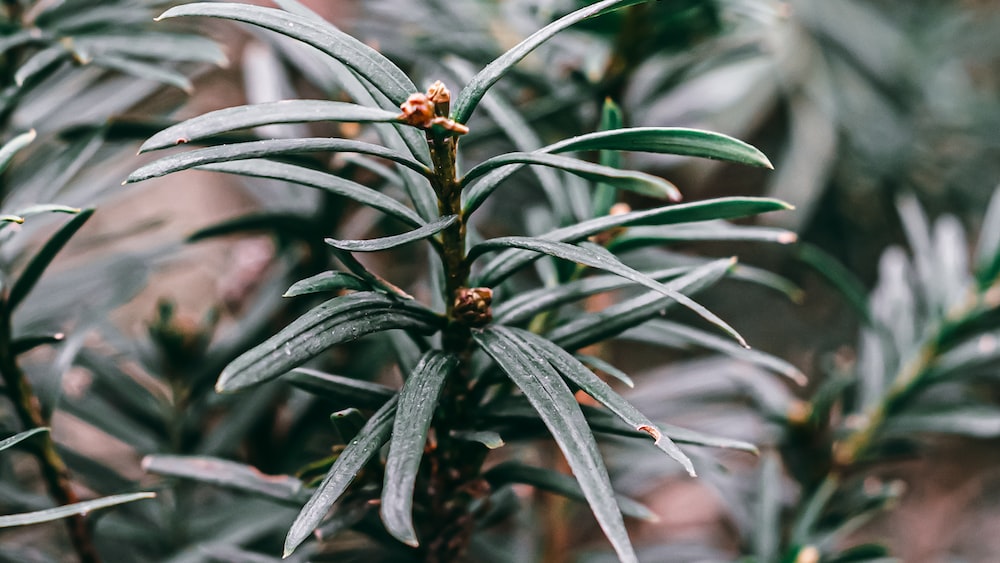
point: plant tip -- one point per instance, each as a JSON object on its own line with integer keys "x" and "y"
{"x": 674, "y": 193}
{"x": 798, "y": 296}
{"x": 799, "y": 378}
{"x": 788, "y": 238}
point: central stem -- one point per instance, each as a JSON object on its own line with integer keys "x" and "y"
{"x": 444, "y": 152}
{"x": 910, "y": 377}
{"x": 454, "y": 464}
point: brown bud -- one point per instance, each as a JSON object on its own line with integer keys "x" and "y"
{"x": 418, "y": 110}
{"x": 450, "y": 125}
{"x": 808, "y": 554}
{"x": 620, "y": 209}
{"x": 431, "y": 110}
{"x": 440, "y": 97}
{"x": 799, "y": 412}
{"x": 603, "y": 238}
{"x": 472, "y": 306}
{"x": 180, "y": 338}
{"x": 843, "y": 454}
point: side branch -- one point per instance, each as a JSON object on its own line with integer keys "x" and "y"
{"x": 53, "y": 468}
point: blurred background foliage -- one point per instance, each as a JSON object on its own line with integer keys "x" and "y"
{"x": 880, "y": 117}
